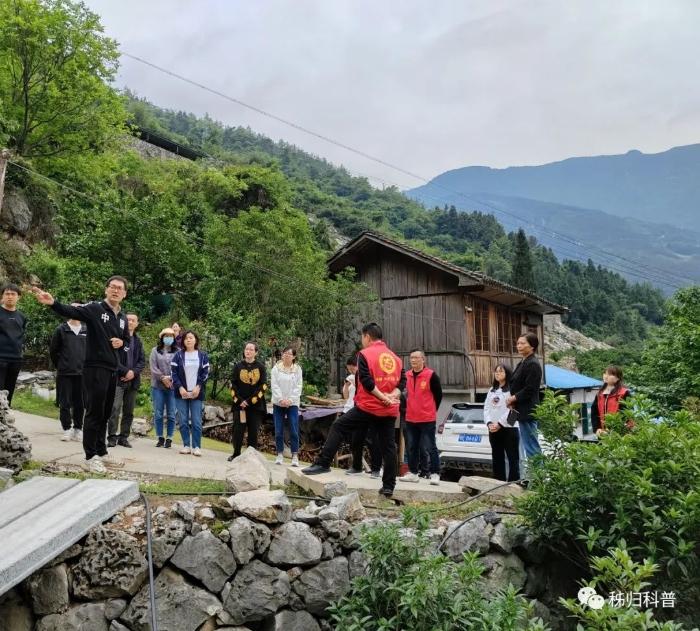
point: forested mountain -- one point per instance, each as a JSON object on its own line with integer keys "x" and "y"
{"x": 602, "y": 303}
{"x": 637, "y": 185}
{"x": 642, "y": 208}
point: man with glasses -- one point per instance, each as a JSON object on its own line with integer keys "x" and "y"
{"x": 105, "y": 356}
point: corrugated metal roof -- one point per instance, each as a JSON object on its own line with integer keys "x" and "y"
{"x": 559, "y": 378}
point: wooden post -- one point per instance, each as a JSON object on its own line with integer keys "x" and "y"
{"x": 4, "y": 157}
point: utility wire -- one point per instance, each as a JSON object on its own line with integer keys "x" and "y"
{"x": 385, "y": 163}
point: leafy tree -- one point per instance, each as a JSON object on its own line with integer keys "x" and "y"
{"x": 522, "y": 275}
{"x": 55, "y": 67}
{"x": 669, "y": 369}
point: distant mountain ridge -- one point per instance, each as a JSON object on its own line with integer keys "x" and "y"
{"x": 634, "y": 184}
{"x": 642, "y": 207}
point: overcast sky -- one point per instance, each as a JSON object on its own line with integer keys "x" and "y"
{"x": 428, "y": 85}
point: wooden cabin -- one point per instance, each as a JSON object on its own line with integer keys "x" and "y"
{"x": 464, "y": 321}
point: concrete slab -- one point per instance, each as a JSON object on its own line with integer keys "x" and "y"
{"x": 25, "y": 497}
{"x": 36, "y": 537}
{"x": 368, "y": 487}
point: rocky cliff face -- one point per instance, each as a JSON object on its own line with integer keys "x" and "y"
{"x": 560, "y": 338}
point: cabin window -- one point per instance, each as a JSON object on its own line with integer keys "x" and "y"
{"x": 509, "y": 329}
{"x": 481, "y": 327}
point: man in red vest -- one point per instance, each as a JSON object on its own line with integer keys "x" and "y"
{"x": 380, "y": 378}
{"x": 423, "y": 396}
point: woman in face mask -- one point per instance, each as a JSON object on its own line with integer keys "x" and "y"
{"x": 162, "y": 391}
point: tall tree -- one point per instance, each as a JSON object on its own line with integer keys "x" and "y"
{"x": 55, "y": 65}
{"x": 522, "y": 275}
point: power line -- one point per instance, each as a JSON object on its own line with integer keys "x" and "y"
{"x": 399, "y": 169}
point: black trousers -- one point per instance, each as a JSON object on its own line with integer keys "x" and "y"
{"x": 9, "y": 370}
{"x": 253, "y": 417}
{"x": 357, "y": 446}
{"x": 422, "y": 439}
{"x": 355, "y": 420}
{"x": 505, "y": 442}
{"x": 71, "y": 406}
{"x": 99, "y": 385}
{"x": 124, "y": 404}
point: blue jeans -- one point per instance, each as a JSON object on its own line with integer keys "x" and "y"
{"x": 529, "y": 445}
{"x": 422, "y": 437}
{"x": 292, "y": 415}
{"x": 190, "y": 411}
{"x": 163, "y": 399}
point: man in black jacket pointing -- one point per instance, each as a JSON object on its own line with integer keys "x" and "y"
{"x": 107, "y": 342}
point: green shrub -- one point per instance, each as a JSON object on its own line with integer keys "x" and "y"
{"x": 638, "y": 484}
{"x": 617, "y": 574}
{"x": 408, "y": 586}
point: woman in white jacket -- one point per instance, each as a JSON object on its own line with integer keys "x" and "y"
{"x": 286, "y": 393}
{"x": 504, "y": 434}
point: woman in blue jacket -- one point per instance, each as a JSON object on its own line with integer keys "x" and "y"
{"x": 190, "y": 374}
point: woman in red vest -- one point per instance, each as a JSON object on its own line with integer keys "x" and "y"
{"x": 608, "y": 399}
{"x": 380, "y": 379}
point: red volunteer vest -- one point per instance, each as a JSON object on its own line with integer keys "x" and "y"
{"x": 609, "y": 404}
{"x": 385, "y": 368}
{"x": 420, "y": 404}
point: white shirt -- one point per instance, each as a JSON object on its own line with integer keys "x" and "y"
{"x": 75, "y": 327}
{"x": 191, "y": 369}
{"x": 495, "y": 408}
{"x": 350, "y": 403}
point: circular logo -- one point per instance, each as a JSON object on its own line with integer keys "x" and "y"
{"x": 596, "y": 601}
{"x": 387, "y": 363}
{"x": 584, "y": 594}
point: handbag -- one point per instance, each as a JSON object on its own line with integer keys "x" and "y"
{"x": 513, "y": 416}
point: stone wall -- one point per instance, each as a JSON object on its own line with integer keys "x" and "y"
{"x": 247, "y": 562}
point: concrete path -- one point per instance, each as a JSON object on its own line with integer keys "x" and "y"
{"x": 144, "y": 458}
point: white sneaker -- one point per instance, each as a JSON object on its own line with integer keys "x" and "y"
{"x": 434, "y": 479}
{"x": 78, "y": 435}
{"x": 409, "y": 477}
{"x": 295, "y": 460}
{"x": 279, "y": 459}
{"x": 196, "y": 451}
{"x": 95, "y": 465}
{"x": 185, "y": 450}
{"x": 110, "y": 461}
{"x": 67, "y": 435}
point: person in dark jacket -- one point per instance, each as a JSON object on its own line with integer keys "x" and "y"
{"x": 13, "y": 325}
{"x": 190, "y": 371}
{"x": 127, "y": 388}
{"x": 67, "y": 351}
{"x": 107, "y": 340}
{"x": 524, "y": 396}
{"x": 608, "y": 399}
{"x": 248, "y": 387}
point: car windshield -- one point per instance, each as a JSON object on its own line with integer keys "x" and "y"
{"x": 469, "y": 415}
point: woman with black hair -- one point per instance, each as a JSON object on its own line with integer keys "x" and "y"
{"x": 504, "y": 435}
{"x": 608, "y": 399}
{"x": 162, "y": 392}
{"x": 190, "y": 374}
{"x": 248, "y": 387}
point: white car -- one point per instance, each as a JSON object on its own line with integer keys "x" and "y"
{"x": 463, "y": 439}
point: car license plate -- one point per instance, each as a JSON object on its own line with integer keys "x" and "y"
{"x": 469, "y": 438}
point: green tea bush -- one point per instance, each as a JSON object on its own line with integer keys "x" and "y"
{"x": 408, "y": 586}
{"x": 640, "y": 484}
{"x": 618, "y": 574}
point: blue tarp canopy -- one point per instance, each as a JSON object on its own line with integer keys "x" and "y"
{"x": 561, "y": 379}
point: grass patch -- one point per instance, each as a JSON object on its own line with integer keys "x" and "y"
{"x": 185, "y": 487}
{"x": 24, "y": 401}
